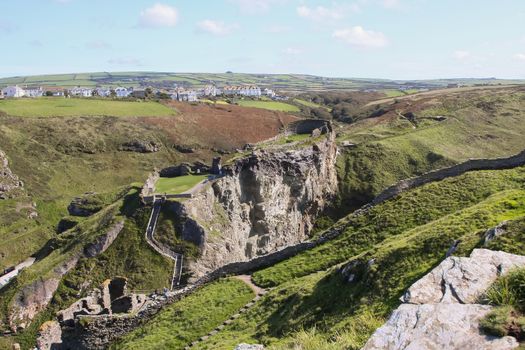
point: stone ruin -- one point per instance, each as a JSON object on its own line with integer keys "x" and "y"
{"x": 111, "y": 298}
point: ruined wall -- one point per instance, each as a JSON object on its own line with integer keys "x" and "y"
{"x": 306, "y": 126}
{"x": 266, "y": 202}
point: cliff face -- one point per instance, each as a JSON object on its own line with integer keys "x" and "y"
{"x": 266, "y": 202}
{"x": 10, "y": 185}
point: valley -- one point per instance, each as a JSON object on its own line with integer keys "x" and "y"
{"x": 303, "y": 206}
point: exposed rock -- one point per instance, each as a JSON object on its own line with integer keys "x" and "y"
{"x": 103, "y": 242}
{"x": 49, "y": 336}
{"x": 10, "y": 184}
{"x": 437, "y": 326}
{"x": 35, "y": 297}
{"x": 356, "y": 270}
{"x": 244, "y": 346}
{"x": 264, "y": 203}
{"x": 440, "y": 310}
{"x": 66, "y": 223}
{"x": 183, "y": 149}
{"x": 495, "y": 232}
{"x": 316, "y": 133}
{"x": 141, "y": 146}
{"x": 16, "y": 346}
{"x": 177, "y": 170}
{"x": 462, "y": 280}
{"x": 84, "y": 205}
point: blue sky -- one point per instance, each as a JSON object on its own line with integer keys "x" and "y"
{"x": 399, "y": 39}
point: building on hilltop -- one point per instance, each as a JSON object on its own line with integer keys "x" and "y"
{"x": 55, "y": 91}
{"x": 122, "y": 92}
{"x": 210, "y": 90}
{"x": 81, "y": 92}
{"x": 269, "y": 92}
{"x": 13, "y": 91}
{"x": 184, "y": 95}
{"x": 33, "y": 91}
{"x": 242, "y": 90}
{"x": 103, "y": 92}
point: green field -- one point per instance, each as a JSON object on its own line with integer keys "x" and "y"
{"x": 182, "y": 322}
{"x": 61, "y": 107}
{"x": 310, "y": 104}
{"x": 271, "y": 105}
{"x": 179, "y": 184}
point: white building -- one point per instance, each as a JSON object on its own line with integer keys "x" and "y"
{"x": 243, "y": 90}
{"x": 210, "y": 90}
{"x": 122, "y": 92}
{"x": 33, "y": 91}
{"x": 269, "y": 92}
{"x": 80, "y": 91}
{"x": 186, "y": 95}
{"x": 103, "y": 92}
{"x": 13, "y": 91}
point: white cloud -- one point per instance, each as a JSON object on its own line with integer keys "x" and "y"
{"x": 125, "y": 61}
{"x": 462, "y": 55}
{"x": 159, "y": 15}
{"x": 98, "y": 45}
{"x": 359, "y": 37}
{"x": 321, "y": 13}
{"x": 218, "y": 28}
{"x": 520, "y": 56}
{"x": 256, "y": 6}
{"x": 292, "y": 51}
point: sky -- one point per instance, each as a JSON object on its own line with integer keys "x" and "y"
{"x": 392, "y": 39}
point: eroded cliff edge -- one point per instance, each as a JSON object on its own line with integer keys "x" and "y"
{"x": 264, "y": 202}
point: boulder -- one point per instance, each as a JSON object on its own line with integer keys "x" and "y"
{"x": 49, "y": 336}
{"x": 462, "y": 280}
{"x": 244, "y": 346}
{"x": 10, "y": 184}
{"x": 140, "y": 146}
{"x": 183, "y": 149}
{"x": 437, "y": 326}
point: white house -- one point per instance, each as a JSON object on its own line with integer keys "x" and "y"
{"x": 14, "y": 91}
{"x": 122, "y": 92}
{"x": 186, "y": 95}
{"x": 103, "y": 92}
{"x": 80, "y": 91}
{"x": 33, "y": 91}
{"x": 269, "y": 92}
{"x": 243, "y": 90}
{"x": 210, "y": 90}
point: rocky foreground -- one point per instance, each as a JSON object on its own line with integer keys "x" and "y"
{"x": 441, "y": 310}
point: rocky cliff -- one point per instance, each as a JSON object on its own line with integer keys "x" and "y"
{"x": 265, "y": 202}
{"x": 10, "y": 184}
{"x": 440, "y": 311}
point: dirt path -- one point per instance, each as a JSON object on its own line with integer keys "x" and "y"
{"x": 4, "y": 280}
{"x": 248, "y": 280}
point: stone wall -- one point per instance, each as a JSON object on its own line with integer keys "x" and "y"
{"x": 149, "y": 185}
{"x": 456, "y": 170}
{"x": 10, "y": 184}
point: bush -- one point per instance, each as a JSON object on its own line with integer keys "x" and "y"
{"x": 508, "y": 290}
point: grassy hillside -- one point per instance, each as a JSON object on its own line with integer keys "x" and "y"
{"x": 62, "y": 107}
{"x": 445, "y": 130}
{"x": 191, "y": 317}
{"x": 312, "y": 306}
{"x": 271, "y": 105}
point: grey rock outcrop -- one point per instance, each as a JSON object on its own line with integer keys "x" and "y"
{"x": 49, "y": 336}
{"x": 264, "y": 203}
{"x": 34, "y": 297}
{"x": 244, "y": 346}
{"x": 141, "y": 146}
{"x": 440, "y": 310}
{"x": 10, "y": 184}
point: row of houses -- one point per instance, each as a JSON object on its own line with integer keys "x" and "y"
{"x": 179, "y": 94}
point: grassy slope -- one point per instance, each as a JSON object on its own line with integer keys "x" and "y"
{"x": 179, "y": 184}
{"x": 390, "y": 148}
{"x": 406, "y": 237}
{"x": 271, "y": 105}
{"x": 185, "y": 321}
{"x": 61, "y": 107}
